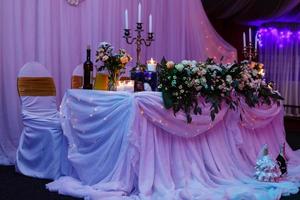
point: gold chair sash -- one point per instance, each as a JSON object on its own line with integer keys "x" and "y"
{"x": 76, "y": 82}
{"x": 36, "y": 86}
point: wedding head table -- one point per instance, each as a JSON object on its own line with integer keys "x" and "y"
{"x": 128, "y": 146}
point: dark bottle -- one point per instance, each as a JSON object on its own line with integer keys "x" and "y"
{"x": 281, "y": 160}
{"x": 88, "y": 70}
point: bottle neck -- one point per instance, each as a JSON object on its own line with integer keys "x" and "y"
{"x": 88, "y": 54}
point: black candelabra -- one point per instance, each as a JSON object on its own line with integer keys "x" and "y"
{"x": 250, "y": 53}
{"x": 138, "y": 40}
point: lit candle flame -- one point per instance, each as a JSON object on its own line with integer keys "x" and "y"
{"x": 152, "y": 61}
{"x": 261, "y": 72}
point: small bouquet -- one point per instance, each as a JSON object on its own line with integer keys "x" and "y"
{"x": 114, "y": 63}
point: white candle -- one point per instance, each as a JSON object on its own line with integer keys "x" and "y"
{"x": 126, "y": 19}
{"x": 140, "y": 13}
{"x": 121, "y": 86}
{"x": 244, "y": 39}
{"x": 127, "y": 85}
{"x": 250, "y": 35}
{"x": 255, "y": 44}
{"x": 151, "y": 65}
{"x": 150, "y": 23}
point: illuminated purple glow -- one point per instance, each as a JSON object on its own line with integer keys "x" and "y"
{"x": 282, "y": 37}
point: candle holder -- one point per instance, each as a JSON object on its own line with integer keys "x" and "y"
{"x": 138, "y": 40}
{"x": 250, "y": 53}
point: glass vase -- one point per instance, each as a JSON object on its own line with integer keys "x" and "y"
{"x": 112, "y": 81}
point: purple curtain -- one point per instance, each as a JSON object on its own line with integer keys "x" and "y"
{"x": 280, "y": 52}
{"x": 56, "y": 34}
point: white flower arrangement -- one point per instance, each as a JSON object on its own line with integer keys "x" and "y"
{"x": 184, "y": 82}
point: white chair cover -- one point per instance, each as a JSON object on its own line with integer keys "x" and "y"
{"x": 40, "y": 152}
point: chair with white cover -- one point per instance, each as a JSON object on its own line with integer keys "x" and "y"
{"x": 41, "y": 146}
{"x": 77, "y": 77}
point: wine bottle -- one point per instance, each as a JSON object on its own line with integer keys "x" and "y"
{"x": 88, "y": 70}
{"x": 281, "y": 160}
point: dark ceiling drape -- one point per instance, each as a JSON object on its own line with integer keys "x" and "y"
{"x": 254, "y": 12}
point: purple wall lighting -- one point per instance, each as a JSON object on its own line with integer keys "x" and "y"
{"x": 282, "y": 37}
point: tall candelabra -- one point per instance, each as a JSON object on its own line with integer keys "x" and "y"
{"x": 138, "y": 40}
{"x": 250, "y": 53}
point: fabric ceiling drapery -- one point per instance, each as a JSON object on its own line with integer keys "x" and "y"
{"x": 56, "y": 34}
{"x": 254, "y": 12}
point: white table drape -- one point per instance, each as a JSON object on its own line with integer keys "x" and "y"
{"x": 127, "y": 146}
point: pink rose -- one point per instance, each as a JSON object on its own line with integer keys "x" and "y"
{"x": 170, "y": 64}
{"x": 124, "y": 59}
{"x": 105, "y": 58}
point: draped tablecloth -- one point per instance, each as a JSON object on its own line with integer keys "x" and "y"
{"x": 127, "y": 146}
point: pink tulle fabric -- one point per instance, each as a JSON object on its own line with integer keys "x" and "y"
{"x": 127, "y": 146}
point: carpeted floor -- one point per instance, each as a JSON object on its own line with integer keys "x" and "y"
{"x": 14, "y": 186}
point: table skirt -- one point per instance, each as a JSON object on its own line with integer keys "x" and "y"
{"x": 128, "y": 146}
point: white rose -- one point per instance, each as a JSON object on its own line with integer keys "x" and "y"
{"x": 254, "y": 72}
{"x": 179, "y": 67}
{"x": 198, "y": 88}
{"x": 241, "y": 86}
{"x": 214, "y": 74}
{"x": 197, "y": 81}
{"x": 245, "y": 77}
{"x": 174, "y": 83}
{"x": 195, "y": 70}
{"x": 105, "y": 58}
{"x": 229, "y": 79}
{"x": 101, "y": 54}
{"x": 214, "y": 67}
{"x": 185, "y": 62}
{"x": 203, "y": 80}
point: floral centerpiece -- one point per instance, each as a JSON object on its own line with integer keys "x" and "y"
{"x": 182, "y": 85}
{"x": 114, "y": 63}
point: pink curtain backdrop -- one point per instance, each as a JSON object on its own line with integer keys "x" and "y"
{"x": 56, "y": 34}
